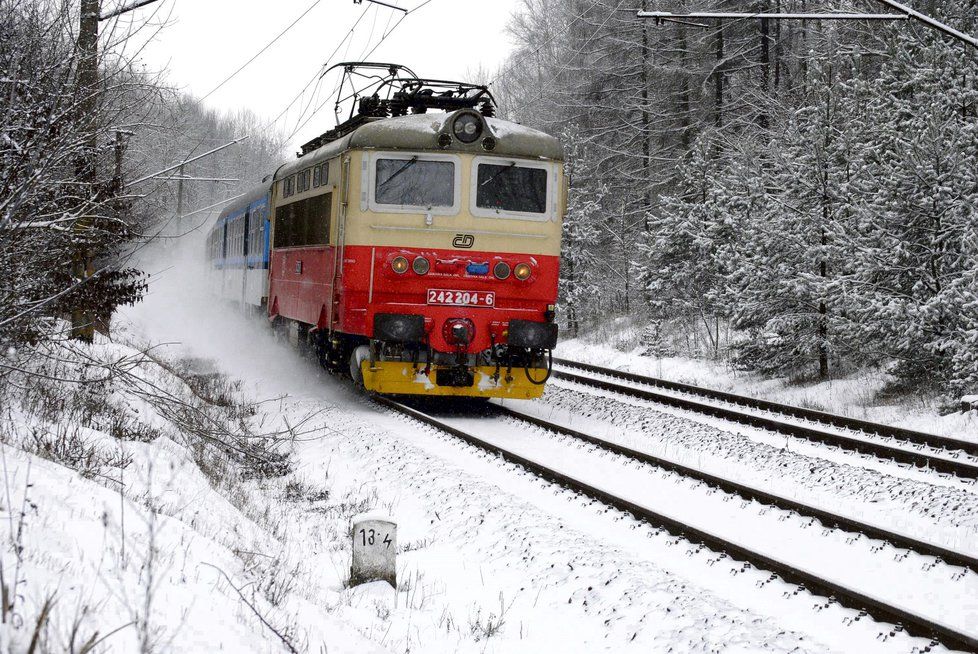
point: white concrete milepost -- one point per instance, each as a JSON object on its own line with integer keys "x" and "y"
{"x": 374, "y": 549}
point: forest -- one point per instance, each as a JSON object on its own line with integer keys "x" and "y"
{"x": 797, "y": 196}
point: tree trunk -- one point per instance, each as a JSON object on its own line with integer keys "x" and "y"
{"x": 684, "y": 118}
{"x": 82, "y": 321}
{"x": 718, "y": 79}
{"x": 763, "y": 119}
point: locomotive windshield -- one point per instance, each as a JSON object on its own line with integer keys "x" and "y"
{"x": 416, "y": 183}
{"x": 512, "y": 188}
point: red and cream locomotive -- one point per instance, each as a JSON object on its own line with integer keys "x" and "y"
{"x": 418, "y": 251}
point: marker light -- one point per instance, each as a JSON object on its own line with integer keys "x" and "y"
{"x": 501, "y": 270}
{"x": 522, "y": 271}
{"x": 421, "y": 266}
{"x": 400, "y": 265}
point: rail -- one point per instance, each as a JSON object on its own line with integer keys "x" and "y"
{"x": 919, "y": 459}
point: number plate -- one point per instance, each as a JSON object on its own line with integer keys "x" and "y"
{"x": 461, "y": 298}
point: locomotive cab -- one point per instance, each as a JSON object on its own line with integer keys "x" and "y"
{"x": 456, "y": 246}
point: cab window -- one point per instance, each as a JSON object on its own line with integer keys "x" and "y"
{"x": 414, "y": 182}
{"x": 511, "y": 188}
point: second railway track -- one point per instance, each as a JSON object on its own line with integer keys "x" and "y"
{"x": 827, "y": 518}
{"x": 886, "y": 612}
{"x": 892, "y": 451}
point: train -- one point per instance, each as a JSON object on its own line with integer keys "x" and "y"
{"x": 414, "y": 247}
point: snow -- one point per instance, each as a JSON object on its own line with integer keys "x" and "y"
{"x": 460, "y": 575}
{"x": 146, "y": 559}
{"x": 376, "y": 516}
{"x": 505, "y": 128}
{"x": 937, "y": 454}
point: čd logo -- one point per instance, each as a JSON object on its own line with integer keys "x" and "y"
{"x": 463, "y": 241}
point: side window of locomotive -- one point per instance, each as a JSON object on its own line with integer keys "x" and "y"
{"x": 415, "y": 183}
{"x": 315, "y": 176}
{"x": 304, "y": 223}
{"x": 511, "y": 188}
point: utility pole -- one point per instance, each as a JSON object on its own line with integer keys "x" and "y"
{"x": 86, "y": 166}
{"x": 646, "y": 123}
{"x": 180, "y": 201}
{"x": 181, "y": 177}
{"x": 120, "y": 208}
{"x": 82, "y": 323}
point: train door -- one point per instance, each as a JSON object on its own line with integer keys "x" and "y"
{"x": 266, "y": 249}
{"x": 336, "y": 282}
{"x": 243, "y": 296}
{"x": 225, "y": 257}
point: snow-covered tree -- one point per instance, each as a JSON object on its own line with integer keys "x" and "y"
{"x": 911, "y": 294}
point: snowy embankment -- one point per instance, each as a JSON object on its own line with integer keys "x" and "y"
{"x": 141, "y": 511}
{"x": 856, "y": 395}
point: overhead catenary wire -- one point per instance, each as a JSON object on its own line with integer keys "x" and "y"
{"x": 264, "y": 128}
{"x": 319, "y": 70}
{"x": 366, "y": 56}
{"x": 262, "y": 51}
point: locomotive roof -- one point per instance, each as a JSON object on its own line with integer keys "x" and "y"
{"x": 420, "y": 132}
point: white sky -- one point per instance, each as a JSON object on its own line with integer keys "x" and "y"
{"x": 206, "y": 40}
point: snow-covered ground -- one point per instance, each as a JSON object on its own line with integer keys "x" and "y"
{"x": 192, "y": 548}
{"x": 856, "y": 395}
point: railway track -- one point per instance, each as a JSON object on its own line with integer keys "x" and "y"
{"x": 943, "y": 462}
{"x": 880, "y": 610}
{"x": 827, "y": 518}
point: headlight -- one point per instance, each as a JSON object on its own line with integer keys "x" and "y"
{"x": 501, "y": 270}
{"x": 400, "y": 265}
{"x": 522, "y": 271}
{"x": 421, "y": 266}
{"x": 467, "y": 128}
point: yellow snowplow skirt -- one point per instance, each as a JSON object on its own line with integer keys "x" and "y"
{"x": 398, "y": 378}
